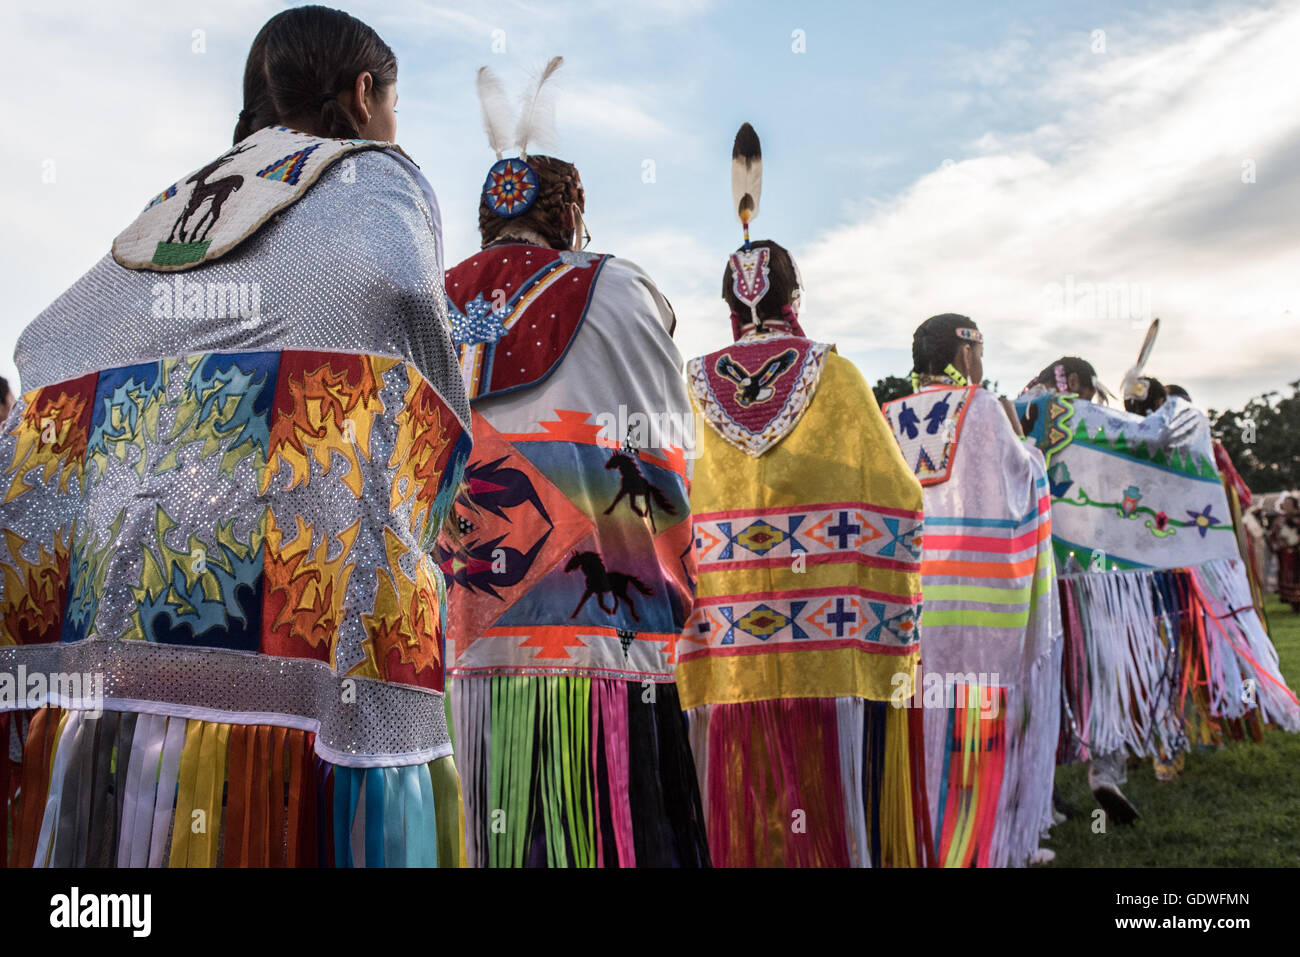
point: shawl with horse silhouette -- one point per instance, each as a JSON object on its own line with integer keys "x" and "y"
{"x": 755, "y": 391}
{"x": 514, "y": 310}
{"x": 574, "y": 556}
{"x": 208, "y": 213}
{"x": 572, "y": 572}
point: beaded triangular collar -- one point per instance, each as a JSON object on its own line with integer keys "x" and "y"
{"x": 206, "y": 214}
{"x": 754, "y": 392}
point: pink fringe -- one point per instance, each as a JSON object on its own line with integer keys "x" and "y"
{"x": 612, "y": 709}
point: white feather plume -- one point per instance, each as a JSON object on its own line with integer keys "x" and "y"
{"x": 497, "y": 114}
{"x": 537, "y": 112}
{"x": 1131, "y": 377}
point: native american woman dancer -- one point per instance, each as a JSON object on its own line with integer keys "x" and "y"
{"x": 807, "y": 529}
{"x": 1284, "y": 536}
{"x": 238, "y": 437}
{"x": 991, "y": 631}
{"x": 570, "y": 578}
{"x": 1163, "y": 644}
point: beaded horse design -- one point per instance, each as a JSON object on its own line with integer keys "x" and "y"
{"x": 601, "y": 582}
{"x": 215, "y": 194}
{"x": 635, "y": 486}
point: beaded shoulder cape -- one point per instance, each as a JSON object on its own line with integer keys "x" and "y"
{"x": 514, "y": 312}
{"x": 206, "y": 214}
{"x": 754, "y": 392}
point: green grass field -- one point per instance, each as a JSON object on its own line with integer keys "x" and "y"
{"x": 1238, "y": 806}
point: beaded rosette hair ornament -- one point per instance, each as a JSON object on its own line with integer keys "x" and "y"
{"x": 511, "y": 186}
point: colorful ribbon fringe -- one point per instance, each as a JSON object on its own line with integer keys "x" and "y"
{"x": 812, "y": 782}
{"x": 135, "y": 790}
{"x": 570, "y": 771}
{"x": 1155, "y": 658}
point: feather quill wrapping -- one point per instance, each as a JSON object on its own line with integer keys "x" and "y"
{"x": 746, "y": 174}
{"x": 537, "y": 112}
{"x": 497, "y": 115}
{"x": 1131, "y": 377}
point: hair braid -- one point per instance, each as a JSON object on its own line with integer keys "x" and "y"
{"x": 558, "y": 185}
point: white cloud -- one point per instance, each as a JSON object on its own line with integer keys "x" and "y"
{"x": 1135, "y": 177}
{"x": 612, "y": 110}
{"x": 1138, "y": 181}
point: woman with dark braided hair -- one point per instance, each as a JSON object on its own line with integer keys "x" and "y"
{"x": 990, "y": 626}
{"x": 807, "y": 527}
{"x": 571, "y": 579}
{"x": 551, "y": 220}
{"x": 322, "y": 72}
{"x": 243, "y": 429}
{"x": 1067, "y": 375}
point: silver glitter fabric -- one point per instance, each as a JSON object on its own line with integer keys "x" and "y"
{"x": 380, "y": 724}
{"x": 221, "y": 485}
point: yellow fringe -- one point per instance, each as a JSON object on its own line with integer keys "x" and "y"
{"x": 897, "y": 824}
{"x": 202, "y": 774}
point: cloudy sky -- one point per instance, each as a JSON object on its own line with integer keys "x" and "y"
{"x": 1059, "y": 172}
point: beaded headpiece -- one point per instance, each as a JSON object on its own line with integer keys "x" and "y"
{"x": 511, "y": 186}
{"x": 749, "y": 266}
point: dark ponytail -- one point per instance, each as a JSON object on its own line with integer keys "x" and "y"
{"x": 300, "y": 64}
{"x": 257, "y": 111}
{"x": 935, "y": 342}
